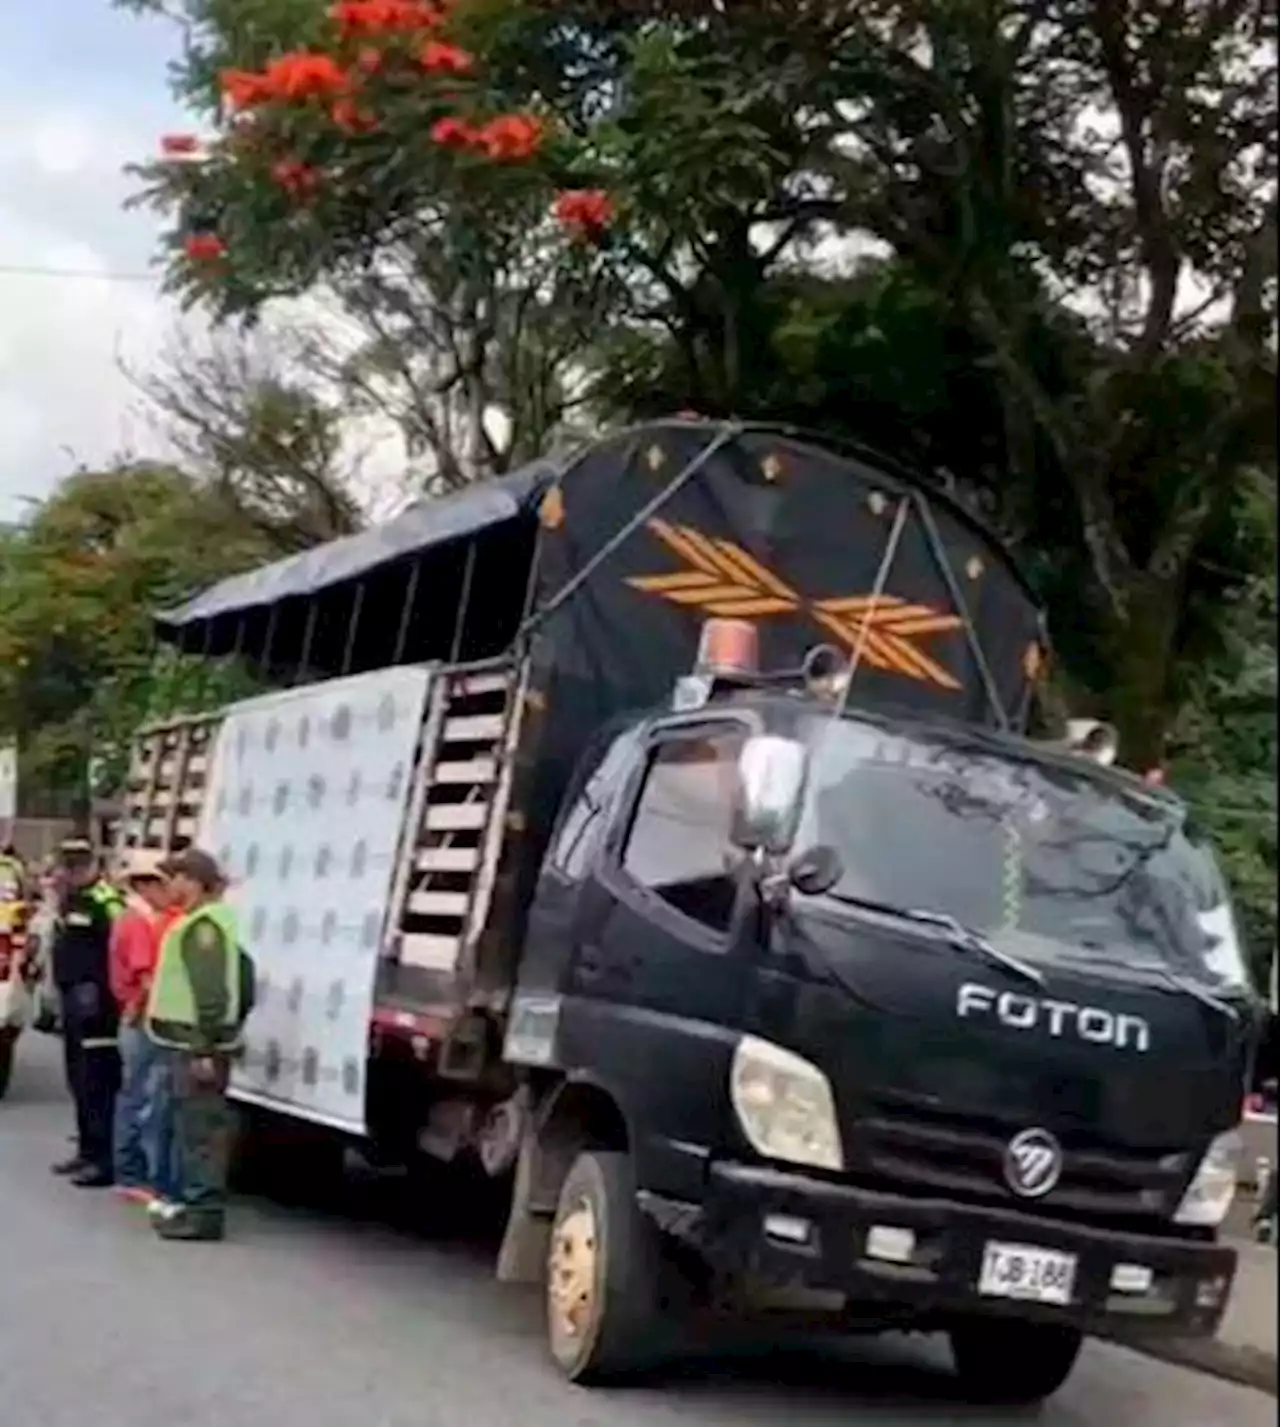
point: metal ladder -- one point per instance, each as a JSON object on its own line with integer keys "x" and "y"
{"x": 460, "y": 818}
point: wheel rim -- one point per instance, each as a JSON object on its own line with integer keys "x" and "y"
{"x": 571, "y": 1277}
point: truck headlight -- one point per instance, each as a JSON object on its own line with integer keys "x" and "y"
{"x": 1210, "y": 1193}
{"x": 784, "y": 1105}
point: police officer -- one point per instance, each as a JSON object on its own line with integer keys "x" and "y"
{"x": 90, "y": 1020}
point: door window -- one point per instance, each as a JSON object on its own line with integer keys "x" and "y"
{"x": 679, "y": 844}
{"x": 587, "y": 819}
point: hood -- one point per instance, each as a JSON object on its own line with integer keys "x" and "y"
{"x": 937, "y": 1057}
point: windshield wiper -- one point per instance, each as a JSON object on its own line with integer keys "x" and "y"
{"x": 958, "y": 935}
{"x": 1188, "y": 987}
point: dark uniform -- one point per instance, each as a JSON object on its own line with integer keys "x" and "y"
{"x": 90, "y": 1018}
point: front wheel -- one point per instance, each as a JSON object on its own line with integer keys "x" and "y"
{"x": 1012, "y": 1363}
{"x": 610, "y": 1285}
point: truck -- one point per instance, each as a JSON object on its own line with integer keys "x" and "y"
{"x": 658, "y": 832}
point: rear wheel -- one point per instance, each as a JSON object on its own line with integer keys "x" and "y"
{"x": 610, "y": 1284}
{"x": 1013, "y": 1363}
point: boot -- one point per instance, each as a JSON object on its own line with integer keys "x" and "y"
{"x": 67, "y": 1167}
{"x": 93, "y": 1176}
{"x": 191, "y": 1226}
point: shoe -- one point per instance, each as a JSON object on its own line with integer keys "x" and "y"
{"x": 189, "y": 1228}
{"x": 92, "y": 1176}
{"x": 161, "y": 1208}
{"x": 68, "y": 1167}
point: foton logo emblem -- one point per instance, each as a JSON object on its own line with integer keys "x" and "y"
{"x": 1094, "y": 1024}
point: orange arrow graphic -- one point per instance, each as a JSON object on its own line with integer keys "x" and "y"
{"x": 723, "y": 579}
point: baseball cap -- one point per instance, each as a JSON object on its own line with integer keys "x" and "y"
{"x": 75, "y": 852}
{"x": 197, "y": 865}
{"x": 142, "y": 862}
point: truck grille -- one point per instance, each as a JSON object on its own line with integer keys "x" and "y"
{"x": 935, "y": 1153}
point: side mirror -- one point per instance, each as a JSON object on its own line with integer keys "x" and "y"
{"x": 816, "y": 870}
{"x": 772, "y": 772}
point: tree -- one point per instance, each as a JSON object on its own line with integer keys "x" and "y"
{"x": 350, "y": 154}
{"x": 274, "y": 451}
{"x": 1080, "y": 193}
{"x": 78, "y": 584}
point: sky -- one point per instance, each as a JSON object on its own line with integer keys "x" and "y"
{"x": 83, "y": 92}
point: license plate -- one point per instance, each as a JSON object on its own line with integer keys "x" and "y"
{"x": 1028, "y": 1274}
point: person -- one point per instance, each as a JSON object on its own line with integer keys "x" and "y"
{"x": 144, "y": 1160}
{"x": 194, "y": 1010}
{"x": 90, "y": 1022}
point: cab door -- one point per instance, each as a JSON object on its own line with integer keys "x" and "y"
{"x": 655, "y": 984}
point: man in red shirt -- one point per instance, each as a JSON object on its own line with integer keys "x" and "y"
{"x": 142, "y": 1149}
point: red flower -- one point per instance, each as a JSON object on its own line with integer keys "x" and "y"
{"x": 203, "y": 247}
{"x": 511, "y": 137}
{"x": 350, "y": 117}
{"x": 445, "y": 59}
{"x": 586, "y": 212}
{"x": 453, "y": 133}
{"x": 383, "y": 17}
{"x": 179, "y": 145}
{"x": 305, "y": 75}
{"x": 299, "y": 180}
{"x": 369, "y": 60}
{"x": 243, "y": 89}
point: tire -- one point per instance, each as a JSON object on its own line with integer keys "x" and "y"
{"x": 612, "y": 1293}
{"x": 1010, "y": 1363}
{"x": 8, "y": 1045}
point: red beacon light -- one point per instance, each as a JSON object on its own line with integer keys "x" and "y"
{"x": 728, "y": 648}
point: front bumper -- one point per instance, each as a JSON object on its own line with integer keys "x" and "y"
{"x": 1166, "y": 1285}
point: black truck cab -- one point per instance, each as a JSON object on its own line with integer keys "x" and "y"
{"x": 933, "y": 1018}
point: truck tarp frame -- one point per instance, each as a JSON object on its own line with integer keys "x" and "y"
{"x": 461, "y": 576}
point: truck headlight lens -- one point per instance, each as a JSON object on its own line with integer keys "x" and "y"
{"x": 1209, "y": 1195}
{"x": 784, "y": 1105}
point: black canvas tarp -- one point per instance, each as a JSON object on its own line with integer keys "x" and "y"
{"x": 770, "y": 526}
{"x": 423, "y": 526}
{"x": 797, "y": 539}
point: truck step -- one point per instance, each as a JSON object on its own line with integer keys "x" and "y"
{"x": 430, "y": 953}
{"x": 457, "y": 817}
{"x": 476, "y": 728}
{"x": 472, "y": 770}
{"x": 470, "y": 686}
{"x": 438, "y": 904}
{"x": 447, "y": 859}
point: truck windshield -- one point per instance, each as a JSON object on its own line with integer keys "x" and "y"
{"x": 1043, "y": 861}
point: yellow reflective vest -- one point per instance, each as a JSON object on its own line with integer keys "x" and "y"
{"x": 194, "y": 1003}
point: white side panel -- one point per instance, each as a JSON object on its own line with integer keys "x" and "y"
{"x": 304, "y": 809}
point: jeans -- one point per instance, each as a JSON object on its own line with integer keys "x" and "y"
{"x": 145, "y": 1152}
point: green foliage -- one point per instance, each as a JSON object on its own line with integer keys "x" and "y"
{"x": 78, "y": 582}
{"x": 1070, "y": 316}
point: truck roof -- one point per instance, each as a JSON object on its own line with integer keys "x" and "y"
{"x": 439, "y": 520}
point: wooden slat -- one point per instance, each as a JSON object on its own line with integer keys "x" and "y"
{"x": 472, "y": 770}
{"x": 447, "y": 859}
{"x": 185, "y": 827}
{"x": 438, "y": 904}
{"x": 477, "y": 728}
{"x": 471, "y": 685}
{"x": 457, "y": 817}
{"x": 431, "y": 953}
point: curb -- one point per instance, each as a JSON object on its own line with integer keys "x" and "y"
{"x": 1250, "y": 1367}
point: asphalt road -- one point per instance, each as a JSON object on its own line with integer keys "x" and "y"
{"x": 310, "y": 1317}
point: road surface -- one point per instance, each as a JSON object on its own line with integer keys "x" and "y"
{"x": 308, "y": 1318}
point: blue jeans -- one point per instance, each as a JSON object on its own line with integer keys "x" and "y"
{"x": 145, "y": 1151}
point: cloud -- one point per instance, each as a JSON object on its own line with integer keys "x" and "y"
{"x": 63, "y": 398}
